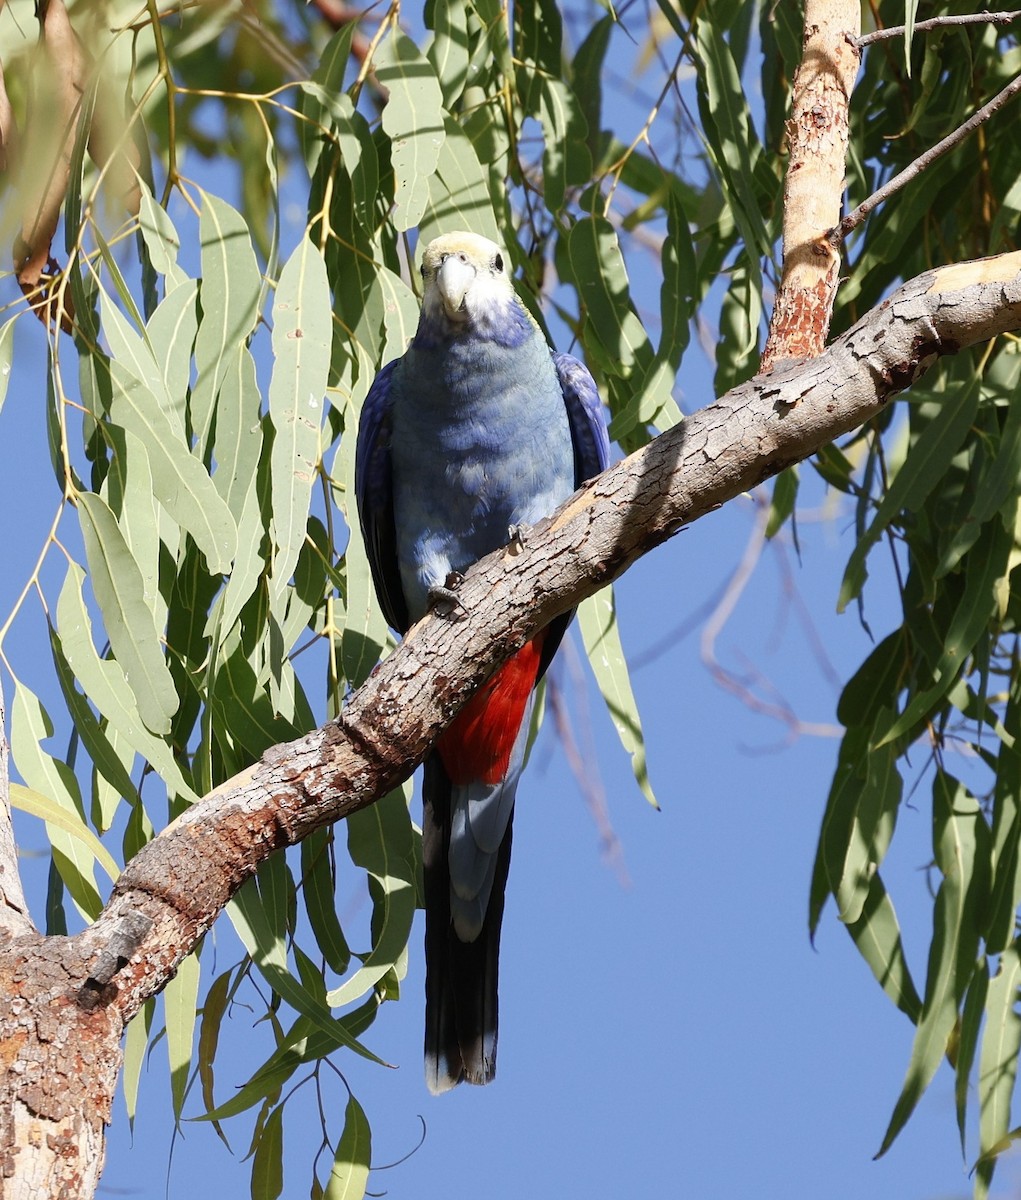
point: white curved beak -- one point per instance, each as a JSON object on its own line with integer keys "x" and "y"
{"x": 453, "y": 280}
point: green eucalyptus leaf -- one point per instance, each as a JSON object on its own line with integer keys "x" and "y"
{"x": 267, "y": 1161}
{"x": 877, "y": 935}
{"x": 120, "y": 592}
{"x": 597, "y": 619}
{"x": 301, "y": 349}
{"x": 922, "y": 470}
{"x": 180, "y": 1002}
{"x": 104, "y": 682}
{"x": 318, "y": 888}
{"x": 958, "y": 836}
{"x": 349, "y": 1174}
{"x": 413, "y": 120}
{"x": 998, "y": 1063}
{"x": 136, "y": 1040}
{"x": 6, "y": 357}
{"x": 229, "y": 298}
{"x": 181, "y": 483}
{"x": 380, "y": 841}
{"x": 52, "y": 784}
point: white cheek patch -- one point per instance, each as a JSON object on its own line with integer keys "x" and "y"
{"x": 488, "y": 297}
{"x": 432, "y": 304}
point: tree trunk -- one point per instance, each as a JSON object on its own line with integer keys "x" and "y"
{"x": 817, "y": 137}
{"x": 61, "y": 1063}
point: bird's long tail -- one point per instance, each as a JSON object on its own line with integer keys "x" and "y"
{"x": 461, "y": 1002}
{"x": 468, "y": 803}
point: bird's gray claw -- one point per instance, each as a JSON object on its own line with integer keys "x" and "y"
{"x": 516, "y": 538}
{"x": 443, "y": 596}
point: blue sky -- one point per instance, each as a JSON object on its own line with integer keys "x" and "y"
{"x": 673, "y": 1034}
{"x": 676, "y": 1033}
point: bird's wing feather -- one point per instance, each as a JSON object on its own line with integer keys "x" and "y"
{"x": 591, "y": 455}
{"x": 585, "y": 414}
{"x": 374, "y": 496}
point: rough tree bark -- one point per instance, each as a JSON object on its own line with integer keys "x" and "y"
{"x": 65, "y": 1001}
{"x": 817, "y": 137}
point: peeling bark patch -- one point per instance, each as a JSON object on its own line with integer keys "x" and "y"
{"x": 122, "y": 943}
{"x": 60, "y": 1066}
{"x": 929, "y": 349}
{"x": 817, "y": 134}
{"x": 1001, "y": 269}
{"x": 11, "y": 1047}
{"x": 898, "y": 376}
{"x": 93, "y": 994}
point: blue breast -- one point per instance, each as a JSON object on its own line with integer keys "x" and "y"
{"x": 480, "y": 442}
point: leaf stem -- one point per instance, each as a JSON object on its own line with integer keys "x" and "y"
{"x": 167, "y": 76}
{"x": 979, "y": 18}
{"x": 950, "y": 142}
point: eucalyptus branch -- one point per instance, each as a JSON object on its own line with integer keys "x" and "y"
{"x": 165, "y": 73}
{"x": 63, "y": 1043}
{"x": 950, "y": 142}
{"x": 336, "y": 13}
{"x": 979, "y": 18}
{"x": 817, "y": 137}
{"x": 183, "y": 877}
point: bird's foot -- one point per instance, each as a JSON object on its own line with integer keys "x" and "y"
{"x": 516, "y": 535}
{"x": 443, "y": 596}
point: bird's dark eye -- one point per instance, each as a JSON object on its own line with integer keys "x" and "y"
{"x": 423, "y": 270}
{"x": 497, "y": 262}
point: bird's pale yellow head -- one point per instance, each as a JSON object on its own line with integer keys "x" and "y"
{"x": 466, "y": 280}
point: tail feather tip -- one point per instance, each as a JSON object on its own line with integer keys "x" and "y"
{"x": 442, "y": 1076}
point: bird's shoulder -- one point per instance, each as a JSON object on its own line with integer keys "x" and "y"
{"x": 585, "y": 414}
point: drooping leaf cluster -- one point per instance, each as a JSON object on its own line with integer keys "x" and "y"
{"x": 935, "y": 485}
{"x": 210, "y": 600}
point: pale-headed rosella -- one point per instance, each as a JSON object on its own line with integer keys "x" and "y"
{"x": 478, "y": 429}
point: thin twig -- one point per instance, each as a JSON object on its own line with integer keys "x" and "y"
{"x": 855, "y": 218}
{"x": 586, "y": 774}
{"x": 744, "y": 688}
{"x": 274, "y": 47}
{"x": 979, "y": 18}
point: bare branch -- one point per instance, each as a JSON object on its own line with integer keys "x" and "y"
{"x": 855, "y": 218}
{"x": 817, "y": 134}
{"x": 183, "y": 878}
{"x": 584, "y": 769}
{"x": 54, "y": 114}
{"x": 980, "y": 18}
{"x": 749, "y": 689}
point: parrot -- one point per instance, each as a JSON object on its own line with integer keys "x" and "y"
{"x": 476, "y": 432}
